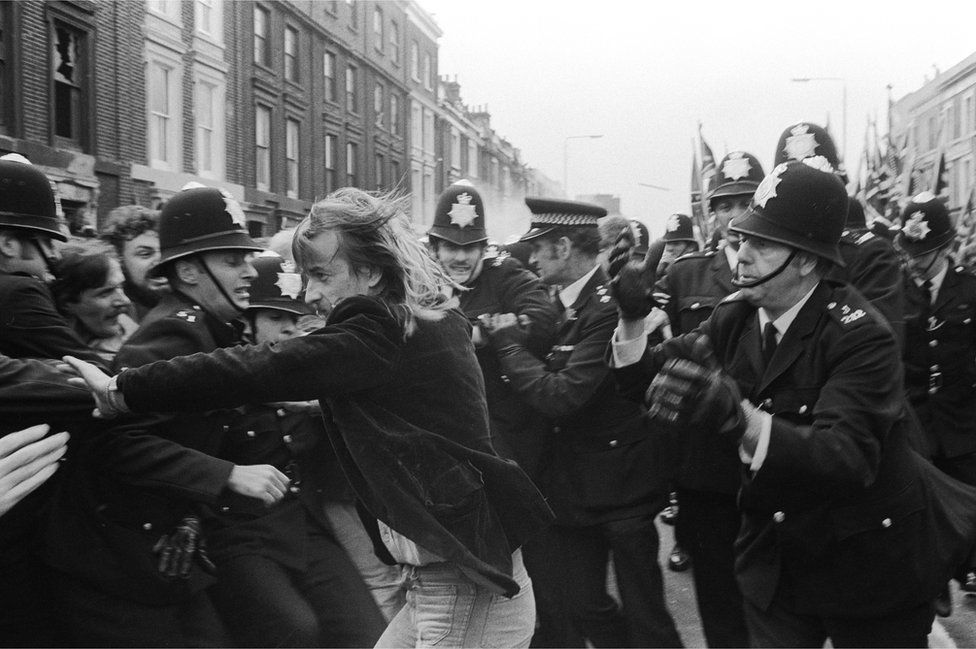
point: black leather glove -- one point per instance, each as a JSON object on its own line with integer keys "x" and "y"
{"x": 631, "y": 281}
{"x": 178, "y": 550}
{"x": 696, "y": 390}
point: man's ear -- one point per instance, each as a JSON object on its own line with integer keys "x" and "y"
{"x": 9, "y": 244}
{"x": 807, "y": 264}
{"x": 373, "y": 276}
{"x": 187, "y": 271}
{"x": 564, "y": 247}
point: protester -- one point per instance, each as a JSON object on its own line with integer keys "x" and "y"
{"x": 403, "y": 403}
{"x": 846, "y": 533}
{"x": 89, "y": 292}
{"x": 132, "y": 231}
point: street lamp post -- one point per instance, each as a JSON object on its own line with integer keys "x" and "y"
{"x": 566, "y": 157}
{"x": 843, "y": 82}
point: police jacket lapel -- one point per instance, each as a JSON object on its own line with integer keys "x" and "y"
{"x": 721, "y": 273}
{"x": 946, "y": 291}
{"x": 792, "y": 345}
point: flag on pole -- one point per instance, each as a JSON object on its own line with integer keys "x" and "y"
{"x": 708, "y": 167}
{"x": 940, "y": 181}
{"x": 697, "y": 207}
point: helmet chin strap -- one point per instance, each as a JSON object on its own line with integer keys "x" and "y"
{"x": 220, "y": 287}
{"x": 738, "y": 283}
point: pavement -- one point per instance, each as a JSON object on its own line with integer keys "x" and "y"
{"x": 957, "y": 630}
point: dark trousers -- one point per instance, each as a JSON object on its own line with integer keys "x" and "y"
{"x": 27, "y": 612}
{"x": 327, "y": 604}
{"x": 582, "y": 556}
{"x": 780, "y": 627}
{"x": 554, "y": 628}
{"x": 97, "y": 619}
{"x": 706, "y": 528}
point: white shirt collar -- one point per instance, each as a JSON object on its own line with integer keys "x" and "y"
{"x": 732, "y": 256}
{"x": 783, "y": 322}
{"x": 570, "y": 294}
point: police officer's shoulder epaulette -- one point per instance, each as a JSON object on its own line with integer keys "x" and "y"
{"x": 692, "y": 256}
{"x": 191, "y": 314}
{"x": 848, "y": 314}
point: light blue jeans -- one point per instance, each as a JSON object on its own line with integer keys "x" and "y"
{"x": 446, "y": 609}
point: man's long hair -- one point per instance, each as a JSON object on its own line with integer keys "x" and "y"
{"x": 374, "y": 231}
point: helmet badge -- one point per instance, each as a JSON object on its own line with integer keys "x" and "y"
{"x": 673, "y": 223}
{"x": 801, "y": 144}
{"x": 463, "y": 212}
{"x": 820, "y": 163}
{"x": 915, "y": 227}
{"x": 736, "y": 166}
{"x": 767, "y": 188}
{"x": 290, "y": 284}
{"x": 234, "y": 209}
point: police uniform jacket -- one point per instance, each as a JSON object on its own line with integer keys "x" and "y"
{"x": 505, "y": 287}
{"x": 940, "y": 362}
{"x": 874, "y": 268}
{"x": 688, "y": 293}
{"x": 135, "y": 483}
{"x": 599, "y": 459}
{"x": 30, "y": 325}
{"x": 406, "y": 416}
{"x": 842, "y": 519}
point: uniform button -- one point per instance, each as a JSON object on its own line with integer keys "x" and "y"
{"x": 613, "y": 443}
{"x": 225, "y": 508}
{"x": 779, "y": 517}
{"x": 934, "y": 368}
{"x": 886, "y": 522}
{"x": 286, "y": 439}
{"x": 147, "y": 526}
{"x": 933, "y": 343}
{"x": 767, "y": 403}
{"x": 557, "y": 429}
{"x": 293, "y": 489}
{"x": 225, "y": 428}
{"x": 251, "y": 433}
{"x": 505, "y": 379}
{"x": 803, "y": 409}
{"x": 967, "y": 320}
{"x": 696, "y": 305}
{"x": 831, "y": 305}
{"x": 281, "y": 412}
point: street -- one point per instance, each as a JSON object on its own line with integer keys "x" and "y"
{"x": 957, "y": 630}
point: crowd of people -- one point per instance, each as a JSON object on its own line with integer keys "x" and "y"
{"x": 357, "y": 436}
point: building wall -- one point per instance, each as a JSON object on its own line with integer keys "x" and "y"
{"x": 159, "y": 77}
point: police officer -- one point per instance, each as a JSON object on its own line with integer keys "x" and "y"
{"x": 940, "y": 350}
{"x": 284, "y": 578}
{"x": 596, "y": 476}
{"x": 801, "y": 376}
{"x": 871, "y": 263}
{"x": 147, "y": 503}
{"x": 708, "y": 519}
{"x": 30, "y": 325}
{"x": 487, "y": 284}
{"x": 679, "y": 240}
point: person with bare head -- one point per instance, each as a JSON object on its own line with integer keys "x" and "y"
{"x": 132, "y": 231}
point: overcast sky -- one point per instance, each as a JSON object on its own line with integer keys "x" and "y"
{"x": 643, "y": 76}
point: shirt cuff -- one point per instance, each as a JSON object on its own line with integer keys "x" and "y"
{"x": 627, "y": 352}
{"x": 761, "y": 423}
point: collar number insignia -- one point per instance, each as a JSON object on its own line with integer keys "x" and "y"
{"x": 767, "y": 188}
{"x": 737, "y": 166}
{"x": 290, "y": 284}
{"x": 800, "y": 144}
{"x": 463, "y": 212}
{"x": 915, "y": 227}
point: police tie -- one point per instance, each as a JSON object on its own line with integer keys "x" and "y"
{"x": 926, "y": 291}
{"x": 769, "y": 342}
